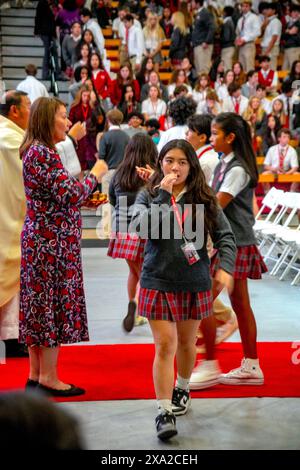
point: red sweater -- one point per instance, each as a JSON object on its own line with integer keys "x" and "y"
{"x": 267, "y": 82}
{"x": 116, "y": 91}
{"x": 102, "y": 83}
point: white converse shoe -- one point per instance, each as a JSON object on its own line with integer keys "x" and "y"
{"x": 205, "y": 375}
{"x": 247, "y": 374}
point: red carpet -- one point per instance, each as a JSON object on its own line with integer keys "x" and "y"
{"x": 122, "y": 372}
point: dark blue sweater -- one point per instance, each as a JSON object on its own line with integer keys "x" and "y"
{"x": 165, "y": 267}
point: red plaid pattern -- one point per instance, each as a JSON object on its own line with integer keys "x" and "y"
{"x": 174, "y": 306}
{"x": 126, "y": 245}
{"x": 248, "y": 264}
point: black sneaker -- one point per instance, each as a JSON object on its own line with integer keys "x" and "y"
{"x": 165, "y": 425}
{"x": 181, "y": 401}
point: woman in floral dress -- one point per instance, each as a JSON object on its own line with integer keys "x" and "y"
{"x": 52, "y": 306}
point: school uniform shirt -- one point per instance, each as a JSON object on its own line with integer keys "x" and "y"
{"x": 33, "y": 88}
{"x": 135, "y": 44}
{"x": 290, "y": 159}
{"x": 274, "y": 28}
{"x": 176, "y": 132}
{"x": 154, "y": 110}
{"x": 172, "y": 87}
{"x": 266, "y": 105}
{"x": 222, "y": 92}
{"x": 230, "y": 177}
{"x": 248, "y": 27}
{"x": 165, "y": 267}
{"x": 231, "y": 105}
{"x": 112, "y": 146}
{"x": 208, "y": 160}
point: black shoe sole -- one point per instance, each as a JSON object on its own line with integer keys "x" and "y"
{"x": 164, "y": 436}
{"x": 128, "y": 322}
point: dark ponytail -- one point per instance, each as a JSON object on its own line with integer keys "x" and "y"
{"x": 242, "y": 144}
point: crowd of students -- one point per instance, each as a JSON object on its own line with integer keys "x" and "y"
{"x": 193, "y": 142}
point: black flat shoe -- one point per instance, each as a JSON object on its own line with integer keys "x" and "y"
{"x": 31, "y": 384}
{"x": 15, "y": 349}
{"x": 53, "y": 392}
{"x": 128, "y": 322}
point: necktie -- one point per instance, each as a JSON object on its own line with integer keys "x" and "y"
{"x": 287, "y": 112}
{"x": 219, "y": 174}
{"x": 282, "y": 154}
{"x": 243, "y": 24}
{"x": 236, "y": 105}
{"x": 126, "y": 36}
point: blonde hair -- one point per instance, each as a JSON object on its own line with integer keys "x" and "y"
{"x": 41, "y": 123}
{"x": 247, "y": 115}
{"x": 84, "y": 88}
{"x": 158, "y": 31}
{"x": 179, "y": 22}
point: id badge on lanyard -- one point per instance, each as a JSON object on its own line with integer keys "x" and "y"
{"x": 188, "y": 248}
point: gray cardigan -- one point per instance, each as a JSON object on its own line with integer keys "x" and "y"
{"x": 165, "y": 267}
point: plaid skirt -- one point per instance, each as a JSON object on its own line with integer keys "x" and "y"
{"x": 248, "y": 264}
{"x": 126, "y": 245}
{"x": 175, "y": 306}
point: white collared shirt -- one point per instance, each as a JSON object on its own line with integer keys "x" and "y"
{"x": 290, "y": 159}
{"x": 274, "y": 28}
{"x": 228, "y": 105}
{"x": 275, "y": 78}
{"x": 33, "y": 87}
{"x": 135, "y": 43}
{"x": 208, "y": 161}
{"x": 251, "y": 30}
{"x": 176, "y": 132}
{"x": 235, "y": 179}
{"x": 154, "y": 110}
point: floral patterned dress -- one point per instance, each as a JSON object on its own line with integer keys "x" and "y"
{"x": 52, "y": 302}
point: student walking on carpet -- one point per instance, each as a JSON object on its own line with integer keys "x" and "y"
{"x": 234, "y": 181}
{"x": 175, "y": 293}
{"x": 123, "y": 189}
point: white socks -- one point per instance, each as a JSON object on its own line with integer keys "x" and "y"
{"x": 164, "y": 405}
{"x": 182, "y": 383}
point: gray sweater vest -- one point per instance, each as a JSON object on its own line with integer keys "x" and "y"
{"x": 239, "y": 211}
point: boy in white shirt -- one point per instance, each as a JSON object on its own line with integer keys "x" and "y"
{"x": 282, "y": 158}
{"x": 236, "y": 102}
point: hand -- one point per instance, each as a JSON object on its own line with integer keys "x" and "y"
{"x": 99, "y": 169}
{"x": 78, "y": 131}
{"x": 223, "y": 279}
{"x": 144, "y": 173}
{"x": 168, "y": 181}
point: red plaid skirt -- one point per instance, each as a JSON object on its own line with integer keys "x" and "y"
{"x": 175, "y": 306}
{"x": 248, "y": 264}
{"x": 126, "y": 245}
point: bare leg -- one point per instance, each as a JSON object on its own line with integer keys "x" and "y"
{"x": 133, "y": 279}
{"x": 247, "y": 325}
{"x": 165, "y": 339}
{"x": 48, "y": 369}
{"x": 186, "y": 349}
{"x": 34, "y": 363}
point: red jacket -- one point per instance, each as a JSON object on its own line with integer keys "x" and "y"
{"x": 102, "y": 83}
{"x": 116, "y": 91}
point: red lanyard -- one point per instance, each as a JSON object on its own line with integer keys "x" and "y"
{"x": 85, "y": 112}
{"x": 180, "y": 219}
{"x": 203, "y": 151}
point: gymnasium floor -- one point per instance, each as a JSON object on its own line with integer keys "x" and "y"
{"x": 252, "y": 423}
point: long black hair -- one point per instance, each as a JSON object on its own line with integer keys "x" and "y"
{"x": 140, "y": 151}
{"x": 242, "y": 144}
{"x": 198, "y": 192}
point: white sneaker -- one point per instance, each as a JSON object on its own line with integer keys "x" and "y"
{"x": 247, "y": 374}
{"x": 5, "y": 6}
{"x": 205, "y": 375}
{"x": 139, "y": 321}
